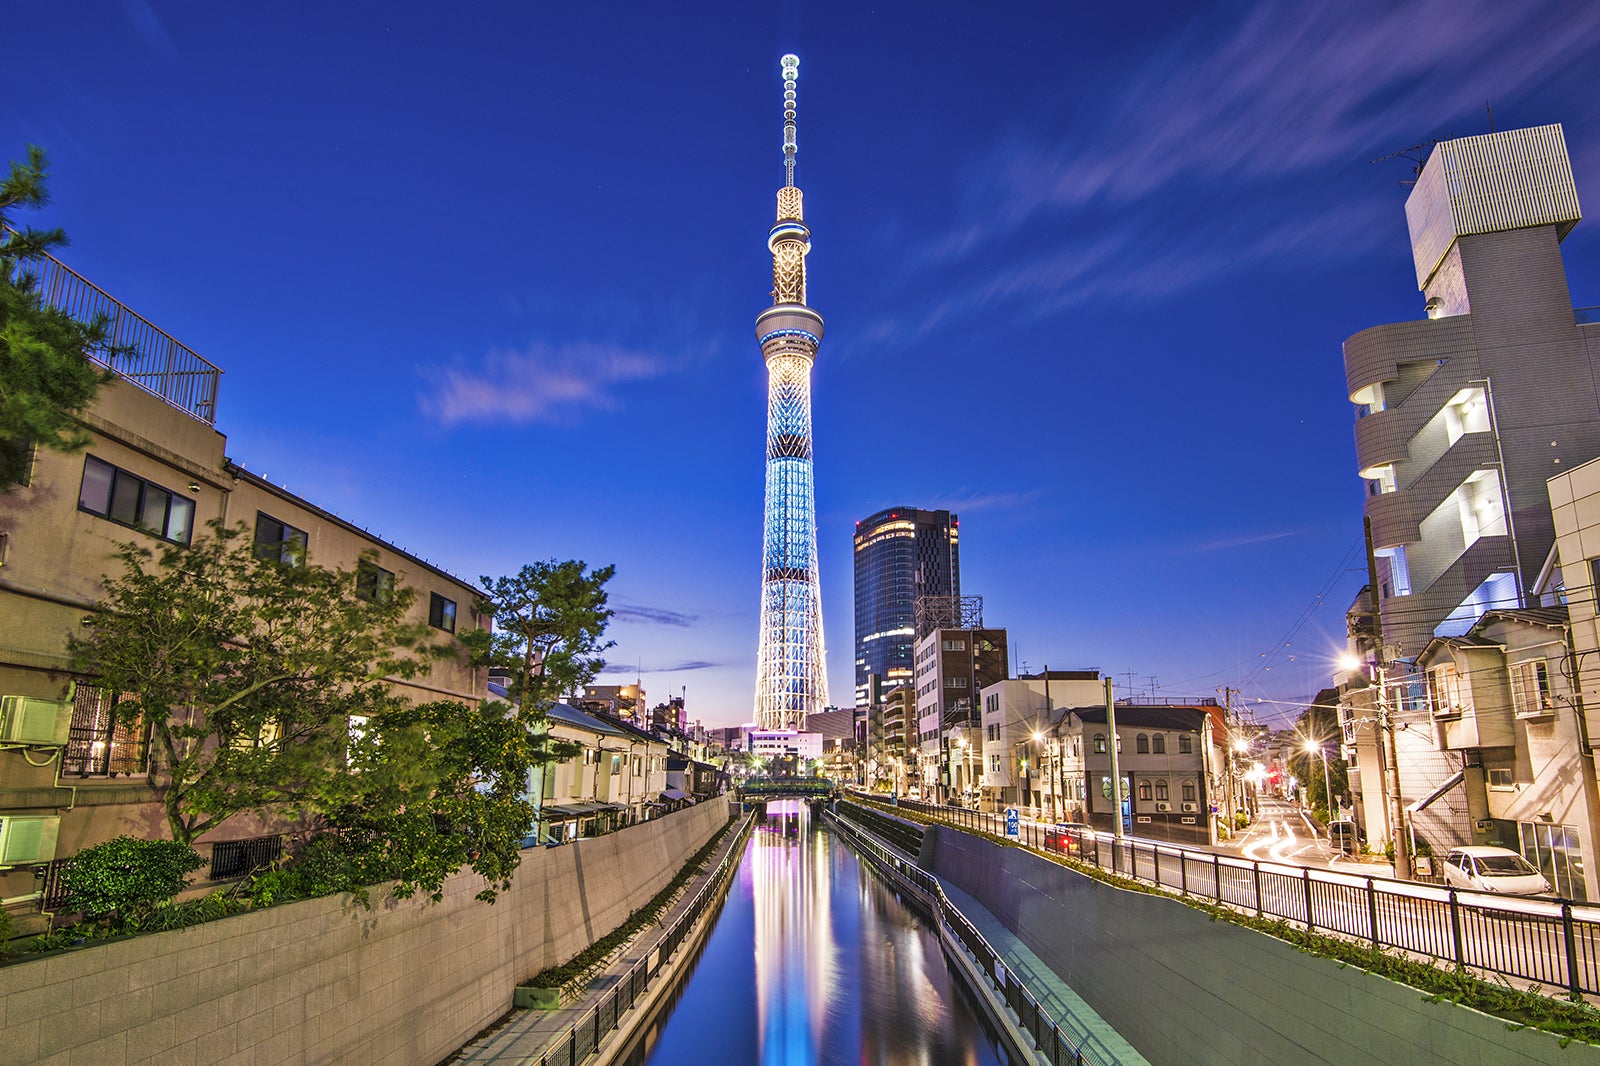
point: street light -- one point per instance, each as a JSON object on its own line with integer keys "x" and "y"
{"x": 1313, "y": 746}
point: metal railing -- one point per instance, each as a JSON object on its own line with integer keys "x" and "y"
{"x": 1551, "y": 941}
{"x": 1052, "y": 1040}
{"x": 144, "y": 354}
{"x": 235, "y": 858}
{"x": 584, "y": 1038}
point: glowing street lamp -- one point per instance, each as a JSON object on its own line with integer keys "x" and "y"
{"x": 1311, "y": 747}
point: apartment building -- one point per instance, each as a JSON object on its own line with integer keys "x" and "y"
{"x": 1019, "y": 735}
{"x": 156, "y": 471}
{"x": 1461, "y": 417}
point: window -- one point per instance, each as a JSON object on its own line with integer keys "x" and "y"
{"x": 1188, "y": 792}
{"x": 1185, "y": 744}
{"x": 130, "y": 500}
{"x": 101, "y": 743}
{"x": 1530, "y": 688}
{"x": 1144, "y": 790}
{"x": 1161, "y": 789}
{"x": 955, "y": 682}
{"x": 279, "y": 542}
{"x": 1158, "y": 743}
{"x": 1100, "y": 744}
{"x": 1141, "y": 744}
{"x": 994, "y": 764}
{"x": 1444, "y": 690}
{"x": 954, "y": 645}
{"x": 373, "y": 582}
{"x": 1500, "y": 779}
{"x": 441, "y": 613}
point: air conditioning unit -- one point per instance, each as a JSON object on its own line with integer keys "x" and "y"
{"x": 1163, "y": 806}
{"x": 28, "y": 838}
{"x": 30, "y": 720}
{"x": 1191, "y": 806}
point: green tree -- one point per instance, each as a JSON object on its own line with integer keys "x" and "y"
{"x": 548, "y": 638}
{"x": 549, "y": 627}
{"x": 1318, "y": 725}
{"x": 249, "y": 671}
{"x": 435, "y": 787}
{"x": 46, "y": 375}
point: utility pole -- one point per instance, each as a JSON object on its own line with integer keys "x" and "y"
{"x": 1228, "y": 739}
{"x": 1116, "y": 773}
{"x": 1391, "y": 769}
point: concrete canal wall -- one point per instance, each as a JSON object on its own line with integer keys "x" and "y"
{"x": 1183, "y": 988}
{"x": 324, "y": 981}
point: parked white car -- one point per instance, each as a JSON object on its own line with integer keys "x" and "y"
{"x": 1487, "y": 869}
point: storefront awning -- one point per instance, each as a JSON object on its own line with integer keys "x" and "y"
{"x": 673, "y": 794}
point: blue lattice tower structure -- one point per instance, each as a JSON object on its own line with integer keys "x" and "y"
{"x": 791, "y": 671}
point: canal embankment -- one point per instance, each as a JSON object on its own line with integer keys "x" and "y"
{"x": 1183, "y": 987}
{"x": 326, "y": 980}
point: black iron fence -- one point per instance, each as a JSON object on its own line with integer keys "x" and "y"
{"x": 235, "y": 858}
{"x": 1055, "y": 1042}
{"x": 584, "y": 1038}
{"x": 1551, "y": 941}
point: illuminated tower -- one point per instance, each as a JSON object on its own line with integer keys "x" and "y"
{"x": 791, "y": 671}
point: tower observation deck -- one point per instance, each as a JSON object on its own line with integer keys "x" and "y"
{"x": 791, "y": 670}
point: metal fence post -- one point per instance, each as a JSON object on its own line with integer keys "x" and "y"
{"x": 1310, "y": 923}
{"x": 1257, "y": 867}
{"x": 1216, "y": 874}
{"x": 1455, "y": 930}
{"x": 1183, "y": 872}
{"x": 1372, "y": 911}
{"x": 1155, "y": 861}
{"x": 1573, "y": 987}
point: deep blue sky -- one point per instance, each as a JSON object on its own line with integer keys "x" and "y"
{"x": 484, "y": 279}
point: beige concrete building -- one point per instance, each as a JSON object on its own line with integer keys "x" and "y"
{"x": 156, "y": 470}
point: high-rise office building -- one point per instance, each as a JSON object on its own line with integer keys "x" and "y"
{"x": 900, "y": 554}
{"x": 791, "y": 669}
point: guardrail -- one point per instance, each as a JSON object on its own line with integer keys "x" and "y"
{"x": 1048, "y": 1036}
{"x": 141, "y": 352}
{"x": 583, "y": 1039}
{"x": 1551, "y": 941}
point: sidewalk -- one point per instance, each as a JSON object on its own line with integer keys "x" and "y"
{"x": 1101, "y": 1044}
{"x": 524, "y": 1036}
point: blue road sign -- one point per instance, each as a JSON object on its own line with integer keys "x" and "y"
{"x": 1013, "y": 823}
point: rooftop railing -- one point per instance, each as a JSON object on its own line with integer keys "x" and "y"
{"x": 143, "y": 354}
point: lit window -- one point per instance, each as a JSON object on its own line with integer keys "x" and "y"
{"x": 1100, "y": 744}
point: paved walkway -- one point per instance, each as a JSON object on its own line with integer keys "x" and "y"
{"x": 525, "y": 1035}
{"x": 1101, "y": 1044}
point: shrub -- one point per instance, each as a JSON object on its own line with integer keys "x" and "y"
{"x": 7, "y": 930}
{"x": 125, "y": 877}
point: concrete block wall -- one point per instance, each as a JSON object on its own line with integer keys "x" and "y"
{"x": 325, "y": 981}
{"x": 1185, "y": 989}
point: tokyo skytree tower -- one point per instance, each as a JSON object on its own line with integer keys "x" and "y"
{"x": 791, "y": 672}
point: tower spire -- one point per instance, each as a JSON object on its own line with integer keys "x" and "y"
{"x": 791, "y": 677}
{"x": 791, "y": 72}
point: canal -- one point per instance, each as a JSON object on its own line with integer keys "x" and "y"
{"x": 814, "y": 960}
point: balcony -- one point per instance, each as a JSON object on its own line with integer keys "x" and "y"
{"x": 149, "y": 357}
{"x": 1381, "y": 438}
{"x": 1374, "y": 355}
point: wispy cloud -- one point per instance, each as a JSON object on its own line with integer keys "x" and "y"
{"x": 966, "y": 501}
{"x": 658, "y": 616}
{"x": 1240, "y": 541}
{"x": 1242, "y": 115}
{"x": 541, "y": 383}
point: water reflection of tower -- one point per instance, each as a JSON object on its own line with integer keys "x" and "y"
{"x": 797, "y": 960}
{"x": 791, "y": 672}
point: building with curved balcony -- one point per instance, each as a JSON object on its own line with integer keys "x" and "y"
{"x": 1461, "y": 417}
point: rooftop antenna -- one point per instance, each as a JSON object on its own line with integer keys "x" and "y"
{"x": 1417, "y": 154}
{"x": 791, "y": 71}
